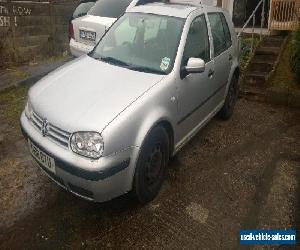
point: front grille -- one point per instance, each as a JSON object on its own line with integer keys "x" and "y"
{"x": 56, "y": 134}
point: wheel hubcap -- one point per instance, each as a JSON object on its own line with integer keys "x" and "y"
{"x": 154, "y": 166}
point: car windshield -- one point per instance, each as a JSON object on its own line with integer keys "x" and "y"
{"x": 141, "y": 42}
{"x": 83, "y": 8}
{"x": 109, "y": 8}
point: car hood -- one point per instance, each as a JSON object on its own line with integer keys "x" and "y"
{"x": 87, "y": 94}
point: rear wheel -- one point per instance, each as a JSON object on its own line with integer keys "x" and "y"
{"x": 151, "y": 165}
{"x": 230, "y": 101}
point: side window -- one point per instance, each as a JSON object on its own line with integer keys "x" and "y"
{"x": 197, "y": 42}
{"x": 226, "y": 30}
{"x": 109, "y": 8}
{"x": 220, "y": 32}
{"x": 83, "y": 8}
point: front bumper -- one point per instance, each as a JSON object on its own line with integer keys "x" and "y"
{"x": 78, "y": 49}
{"x": 97, "y": 180}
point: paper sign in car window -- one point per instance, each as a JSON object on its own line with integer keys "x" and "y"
{"x": 165, "y": 62}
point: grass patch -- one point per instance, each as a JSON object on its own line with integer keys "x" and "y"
{"x": 12, "y": 102}
{"x": 18, "y": 74}
{"x": 246, "y": 54}
{"x": 294, "y": 53}
{"x": 283, "y": 76}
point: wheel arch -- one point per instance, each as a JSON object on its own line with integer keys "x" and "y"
{"x": 234, "y": 72}
{"x": 237, "y": 72}
{"x": 167, "y": 125}
{"x": 170, "y": 131}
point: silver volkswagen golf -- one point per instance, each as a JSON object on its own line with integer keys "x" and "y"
{"x": 107, "y": 123}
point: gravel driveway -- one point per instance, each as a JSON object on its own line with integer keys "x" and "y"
{"x": 240, "y": 174}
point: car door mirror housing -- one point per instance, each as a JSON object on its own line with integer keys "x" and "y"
{"x": 195, "y": 65}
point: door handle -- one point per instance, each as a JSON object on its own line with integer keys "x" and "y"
{"x": 230, "y": 57}
{"x": 211, "y": 73}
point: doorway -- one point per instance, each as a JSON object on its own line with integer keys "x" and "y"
{"x": 243, "y": 9}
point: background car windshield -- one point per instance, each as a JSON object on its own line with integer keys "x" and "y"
{"x": 110, "y": 8}
{"x": 143, "y": 42}
{"x": 83, "y": 8}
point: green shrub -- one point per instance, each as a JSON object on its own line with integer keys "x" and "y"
{"x": 294, "y": 53}
{"x": 246, "y": 50}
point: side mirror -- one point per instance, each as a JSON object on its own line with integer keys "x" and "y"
{"x": 195, "y": 65}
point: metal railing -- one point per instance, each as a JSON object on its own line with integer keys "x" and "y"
{"x": 253, "y": 18}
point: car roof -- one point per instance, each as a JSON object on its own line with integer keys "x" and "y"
{"x": 171, "y": 9}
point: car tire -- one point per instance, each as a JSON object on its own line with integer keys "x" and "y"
{"x": 227, "y": 110}
{"x": 151, "y": 165}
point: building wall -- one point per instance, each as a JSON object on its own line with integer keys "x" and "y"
{"x": 228, "y": 4}
{"x": 210, "y": 2}
{"x": 32, "y": 30}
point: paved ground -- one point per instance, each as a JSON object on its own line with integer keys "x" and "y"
{"x": 240, "y": 174}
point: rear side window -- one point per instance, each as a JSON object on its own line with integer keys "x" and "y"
{"x": 83, "y": 8}
{"x": 226, "y": 30}
{"x": 220, "y": 32}
{"x": 142, "y": 2}
{"x": 109, "y": 8}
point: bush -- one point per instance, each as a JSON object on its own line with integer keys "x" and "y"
{"x": 246, "y": 50}
{"x": 294, "y": 53}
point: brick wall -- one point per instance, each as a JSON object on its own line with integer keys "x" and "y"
{"x": 31, "y": 30}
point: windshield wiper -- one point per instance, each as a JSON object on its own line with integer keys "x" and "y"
{"x": 147, "y": 70}
{"x": 113, "y": 61}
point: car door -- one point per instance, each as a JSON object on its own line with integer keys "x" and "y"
{"x": 222, "y": 46}
{"x": 195, "y": 89}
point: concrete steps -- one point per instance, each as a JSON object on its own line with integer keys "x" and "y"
{"x": 273, "y": 41}
{"x": 262, "y": 64}
{"x": 268, "y": 50}
{"x": 256, "y": 77}
{"x": 269, "y": 59}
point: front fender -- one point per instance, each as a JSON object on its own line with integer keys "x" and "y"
{"x": 234, "y": 68}
{"x": 132, "y": 126}
{"x": 160, "y": 115}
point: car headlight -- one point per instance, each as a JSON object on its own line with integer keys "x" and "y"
{"x": 28, "y": 109}
{"x": 88, "y": 144}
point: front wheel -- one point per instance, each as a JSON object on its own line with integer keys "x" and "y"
{"x": 230, "y": 101}
{"x": 151, "y": 165}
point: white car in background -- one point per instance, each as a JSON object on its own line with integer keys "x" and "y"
{"x": 85, "y": 32}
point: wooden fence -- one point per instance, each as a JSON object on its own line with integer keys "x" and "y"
{"x": 33, "y": 30}
{"x": 284, "y": 14}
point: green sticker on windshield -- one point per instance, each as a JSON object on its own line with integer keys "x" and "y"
{"x": 165, "y": 62}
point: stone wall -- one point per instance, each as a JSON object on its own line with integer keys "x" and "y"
{"x": 32, "y": 30}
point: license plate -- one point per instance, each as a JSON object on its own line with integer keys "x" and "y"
{"x": 87, "y": 35}
{"x": 44, "y": 159}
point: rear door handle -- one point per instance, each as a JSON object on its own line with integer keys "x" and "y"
{"x": 211, "y": 73}
{"x": 230, "y": 57}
